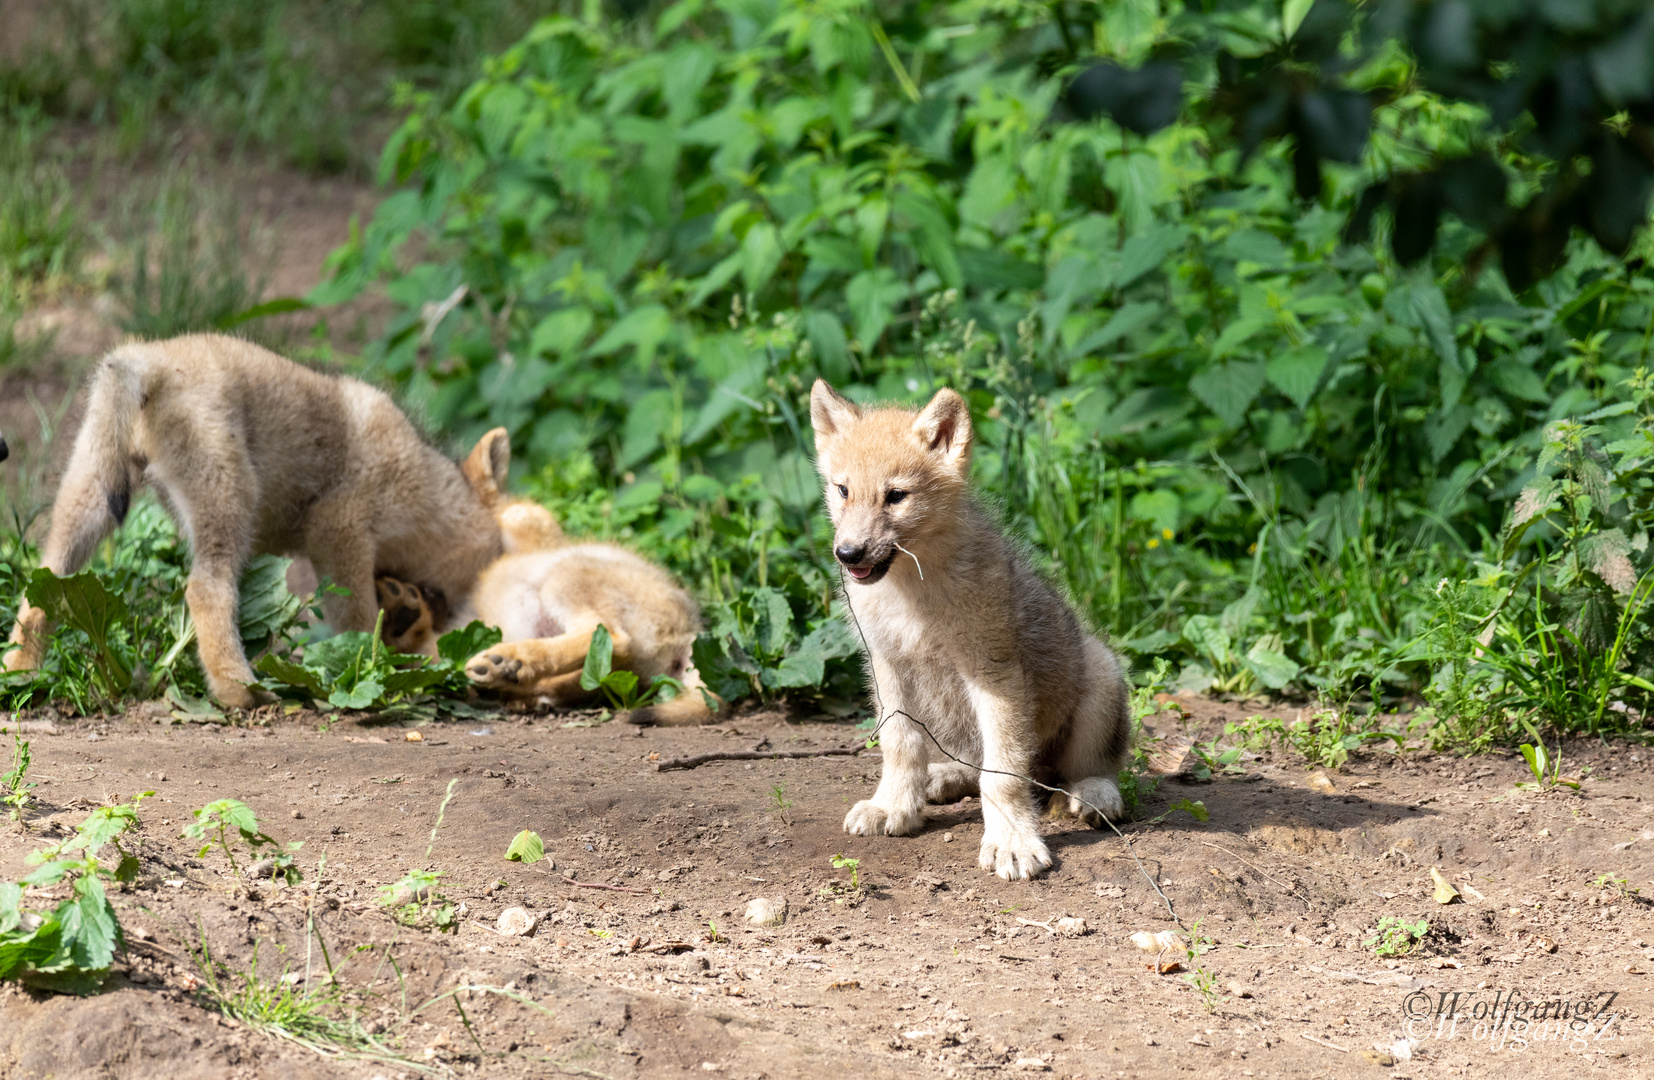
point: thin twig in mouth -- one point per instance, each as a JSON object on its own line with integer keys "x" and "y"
{"x": 912, "y": 556}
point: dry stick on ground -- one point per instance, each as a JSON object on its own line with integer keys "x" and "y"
{"x": 752, "y": 755}
{"x": 1291, "y": 891}
{"x": 610, "y": 888}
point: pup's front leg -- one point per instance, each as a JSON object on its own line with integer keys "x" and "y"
{"x": 898, "y": 804}
{"x": 1011, "y": 843}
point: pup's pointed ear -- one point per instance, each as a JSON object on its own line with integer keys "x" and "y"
{"x": 488, "y": 465}
{"x": 945, "y": 427}
{"x": 831, "y": 413}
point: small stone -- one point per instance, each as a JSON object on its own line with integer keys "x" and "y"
{"x": 766, "y": 912}
{"x": 414, "y": 736}
{"x": 1032, "y": 1065}
{"x": 297, "y": 815}
{"x": 516, "y": 922}
{"x": 1323, "y": 783}
{"x": 947, "y": 838}
{"x": 1237, "y": 988}
{"x": 1072, "y": 927}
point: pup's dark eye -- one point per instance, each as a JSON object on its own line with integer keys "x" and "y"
{"x": 891, "y": 498}
{"x": 843, "y": 492}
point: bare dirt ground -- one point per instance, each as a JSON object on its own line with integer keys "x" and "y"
{"x": 932, "y": 968}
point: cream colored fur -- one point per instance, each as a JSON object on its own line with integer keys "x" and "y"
{"x": 251, "y": 453}
{"x": 979, "y": 649}
{"x": 547, "y": 595}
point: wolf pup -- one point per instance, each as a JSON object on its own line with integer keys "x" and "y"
{"x": 963, "y": 638}
{"x": 547, "y": 595}
{"x": 252, "y": 453}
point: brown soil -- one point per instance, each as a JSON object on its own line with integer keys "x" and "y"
{"x": 934, "y": 968}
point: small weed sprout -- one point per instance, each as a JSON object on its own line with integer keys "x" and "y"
{"x": 1545, "y": 767}
{"x": 1622, "y": 886}
{"x": 1136, "y": 783}
{"x": 214, "y": 822}
{"x": 712, "y": 931}
{"x": 782, "y": 803}
{"x": 1202, "y": 979}
{"x": 842, "y": 863}
{"x": 14, "y": 788}
{"x": 415, "y": 901}
{"x": 1396, "y": 936}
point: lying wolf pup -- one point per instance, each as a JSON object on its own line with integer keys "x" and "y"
{"x": 547, "y": 594}
{"x": 251, "y": 453}
{"x": 963, "y": 638}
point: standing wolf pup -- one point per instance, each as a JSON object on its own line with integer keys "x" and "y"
{"x": 252, "y": 453}
{"x": 963, "y": 636}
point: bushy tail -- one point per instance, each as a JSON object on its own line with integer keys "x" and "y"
{"x": 93, "y": 497}
{"x": 97, "y": 485}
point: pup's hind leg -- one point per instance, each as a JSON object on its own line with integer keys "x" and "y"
{"x": 1090, "y": 760}
{"x": 213, "y": 596}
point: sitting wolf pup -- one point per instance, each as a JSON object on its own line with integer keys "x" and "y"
{"x": 963, "y": 637}
{"x": 252, "y": 453}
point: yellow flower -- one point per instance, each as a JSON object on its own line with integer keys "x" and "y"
{"x": 1167, "y": 533}
{"x": 1251, "y": 549}
{"x": 1153, "y": 543}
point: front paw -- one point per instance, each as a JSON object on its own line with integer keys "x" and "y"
{"x": 868, "y": 818}
{"x": 494, "y": 669}
{"x": 1015, "y": 854}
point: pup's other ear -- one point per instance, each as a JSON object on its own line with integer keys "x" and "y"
{"x": 488, "y": 464}
{"x": 945, "y": 427}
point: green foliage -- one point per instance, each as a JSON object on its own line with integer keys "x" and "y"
{"x": 217, "y": 820}
{"x": 1325, "y": 738}
{"x": 1396, "y": 936}
{"x": 69, "y": 949}
{"x": 840, "y": 862}
{"x": 526, "y": 847}
{"x": 620, "y": 687}
{"x": 124, "y": 629}
{"x": 356, "y": 670}
{"x": 1200, "y": 978}
{"x": 1136, "y": 781}
{"x": 1237, "y": 441}
{"x": 1195, "y": 808}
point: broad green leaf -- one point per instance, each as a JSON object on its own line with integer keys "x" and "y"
{"x": 82, "y": 601}
{"x": 361, "y": 695}
{"x": 458, "y": 646}
{"x": 526, "y": 847}
{"x": 599, "y": 655}
{"x": 1229, "y": 389}
{"x": 266, "y": 606}
{"x": 285, "y": 671}
{"x": 1297, "y": 373}
{"x": 1273, "y": 669}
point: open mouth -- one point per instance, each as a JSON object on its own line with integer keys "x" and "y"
{"x": 871, "y": 572}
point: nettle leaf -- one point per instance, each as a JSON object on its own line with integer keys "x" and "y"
{"x": 266, "y": 606}
{"x": 1297, "y": 374}
{"x": 83, "y": 602}
{"x": 1229, "y": 389}
{"x": 362, "y": 695}
{"x": 1608, "y": 555}
{"x": 1203, "y": 634}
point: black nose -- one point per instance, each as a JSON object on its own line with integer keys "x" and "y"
{"x": 850, "y": 554}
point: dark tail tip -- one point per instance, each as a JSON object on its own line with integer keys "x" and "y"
{"x": 119, "y": 504}
{"x": 5, "y": 451}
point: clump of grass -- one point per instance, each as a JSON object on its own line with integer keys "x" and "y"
{"x": 190, "y": 269}
{"x": 41, "y": 232}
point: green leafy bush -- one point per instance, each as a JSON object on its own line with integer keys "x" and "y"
{"x": 1236, "y": 440}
